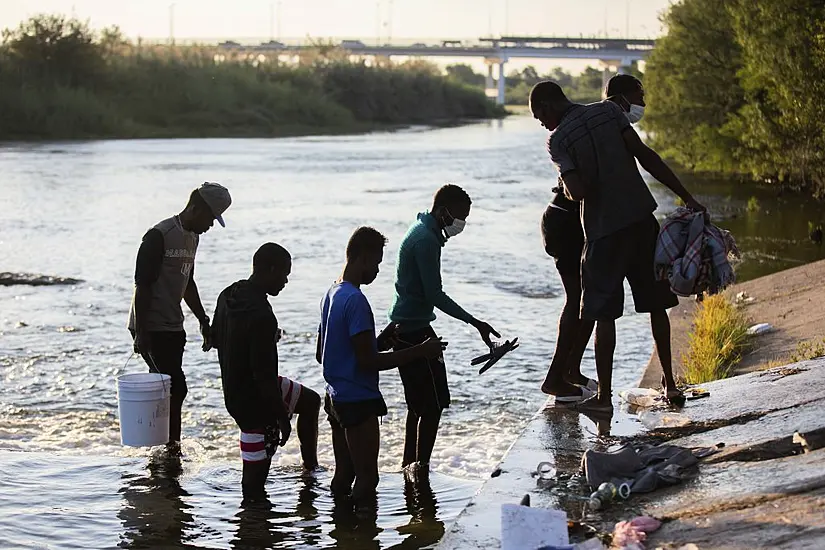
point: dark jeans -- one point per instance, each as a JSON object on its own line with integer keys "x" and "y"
{"x": 164, "y": 353}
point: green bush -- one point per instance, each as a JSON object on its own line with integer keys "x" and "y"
{"x": 106, "y": 87}
{"x": 736, "y": 87}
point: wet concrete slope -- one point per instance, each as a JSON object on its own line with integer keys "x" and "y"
{"x": 765, "y": 488}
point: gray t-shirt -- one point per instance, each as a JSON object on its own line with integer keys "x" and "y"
{"x": 165, "y": 263}
{"x": 589, "y": 140}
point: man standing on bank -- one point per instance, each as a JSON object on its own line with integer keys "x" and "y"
{"x": 418, "y": 291}
{"x": 164, "y": 275}
{"x": 595, "y": 150}
{"x": 563, "y": 239}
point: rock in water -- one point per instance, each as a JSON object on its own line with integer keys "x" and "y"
{"x": 31, "y": 279}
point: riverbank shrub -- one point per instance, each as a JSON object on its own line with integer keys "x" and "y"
{"x": 718, "y": 337}
{"x": 61, "y": 80}
{"x": 736, "y": 88}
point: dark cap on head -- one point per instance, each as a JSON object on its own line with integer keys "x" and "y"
{"x": 620, "y": 84}
{"x": 217, "y": 198}
{"x": 270, "y": 255}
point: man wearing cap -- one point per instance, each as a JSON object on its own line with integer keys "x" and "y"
{"x": 164, "y": 275}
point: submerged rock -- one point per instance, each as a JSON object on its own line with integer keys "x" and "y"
{"x": 32, "y": 279}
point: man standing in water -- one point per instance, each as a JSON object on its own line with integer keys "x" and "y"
{"x": 164, "y": 275}
{"x": 418, "y": 291}
{"x": 595, "y": 150}
{"x": 245, "y": 333}
{"x": 352, "y": 357}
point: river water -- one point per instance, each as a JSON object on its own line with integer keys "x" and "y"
{"x": 80, "y": 209}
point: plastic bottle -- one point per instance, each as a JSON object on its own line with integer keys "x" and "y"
{"x": 663, "y": 419}
{"x": 640, "y": 397}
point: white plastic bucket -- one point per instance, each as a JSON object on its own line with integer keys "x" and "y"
{"x": 143, "y": 408}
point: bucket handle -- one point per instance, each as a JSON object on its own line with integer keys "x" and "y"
{"x": 152, "y": 366}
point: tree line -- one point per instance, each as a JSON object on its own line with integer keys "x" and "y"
{"x": 60, "y": 79}
{"x": 738, "y": 88}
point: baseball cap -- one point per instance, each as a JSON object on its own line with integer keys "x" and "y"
{"x": 217, "y": 198}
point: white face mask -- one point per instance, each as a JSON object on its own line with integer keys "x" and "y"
{"x": 455, "y": 228}
{"x": 635, "y": 114}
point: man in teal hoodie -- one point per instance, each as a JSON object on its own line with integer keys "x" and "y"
{"x": 417, "y": 292}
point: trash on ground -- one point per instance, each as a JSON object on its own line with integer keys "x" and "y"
{"x": 643, "y": 469}
{"x": 525, "y": 527}
{"x": 640, "y": 397}
{"x": 631, "y": 535}
{"x": 704, "y": 452}
{"x": 698, "y": 393}
{"x": 545, "y": 474}
{"x": 760, "y": 328}
{"x": 601, "y": 497}
{"x": 744, "y": 298}
{"x": 654, "y": 420}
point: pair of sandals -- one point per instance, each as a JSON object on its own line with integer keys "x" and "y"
{"x": 497, "y": 351}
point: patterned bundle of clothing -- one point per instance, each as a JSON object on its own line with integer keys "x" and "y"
{"x": 694, "y": 255}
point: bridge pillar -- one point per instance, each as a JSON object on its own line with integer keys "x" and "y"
{"x": 502, "y": 81}
{"x": 489, "y": 83}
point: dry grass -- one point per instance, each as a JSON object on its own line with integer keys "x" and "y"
{"x": 716, "y": 342}
{"x": 810, "y": 349}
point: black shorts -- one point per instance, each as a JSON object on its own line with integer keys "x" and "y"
{"x": 562, "y": 234}
{"x": 164, "y": 351}
{"x": 625, "y": 254}
{"x": 425, "y": 380}
{"x": 344, "y": 414}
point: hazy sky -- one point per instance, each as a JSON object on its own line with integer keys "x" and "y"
{"x": 353, "y": 18}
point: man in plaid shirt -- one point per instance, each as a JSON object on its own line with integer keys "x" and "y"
{"x": 595, "y": 149}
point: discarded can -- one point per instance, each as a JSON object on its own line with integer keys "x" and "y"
{"x": 603, "y": 496}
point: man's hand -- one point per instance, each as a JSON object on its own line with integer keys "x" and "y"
{"x": 694, "y": 205}
{"x": 206, "y": 332}
{"x": 141, "y": 342}
{"x": 284, "y": 429}
{"x": 485, "y": 331}
{"x": 431, "y": 348}
{"x": 388, "y": 337}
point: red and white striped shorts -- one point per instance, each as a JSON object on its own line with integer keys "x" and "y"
{"x": 258, "y": 445}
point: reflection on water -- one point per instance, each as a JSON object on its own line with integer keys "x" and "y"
{"x": 87, "y": 502}
{"x": 154, "y": 512}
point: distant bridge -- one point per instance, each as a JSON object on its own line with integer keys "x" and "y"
{"x": 611, "y": 52}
